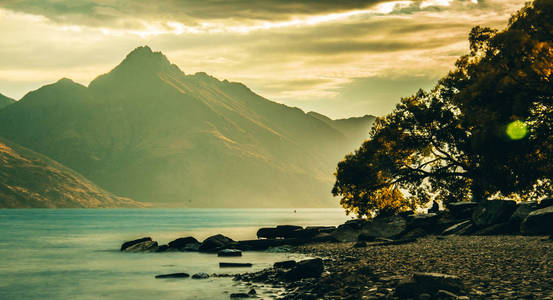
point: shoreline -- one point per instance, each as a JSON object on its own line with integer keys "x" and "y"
{"x": 491, "y": 267}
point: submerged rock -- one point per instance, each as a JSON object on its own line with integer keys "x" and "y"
{"x": 234, "y": 265}
{"x": 201, "y": 275}
{"x": 174, "y": 275}
{"x": 229, "y": 252}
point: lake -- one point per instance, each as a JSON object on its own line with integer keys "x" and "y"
{"x": 74, "y": 253}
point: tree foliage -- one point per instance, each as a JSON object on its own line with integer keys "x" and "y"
{"x": 453, "y": 143}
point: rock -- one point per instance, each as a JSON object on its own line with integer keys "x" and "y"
{"x": 286, "y": 231}
{"x": 384, "y": 227}
{"x": 546, "y": 203}
{"x": 429, "y": 283}
{"x": 324, "y": 238}
{"x": 498, "y": 229}
{"x": 229, "y": 252}
{"x": 360, "y": 244}
{"x": 287, "y": 264}
{"x": 201, "y": 275}
{"x": 145, "y": 246}
{"x": 433, "y": 282}
{"x": 174, "y": 275}
{"x": 522, "y": 211}
{"x": 407, "y": 288}
{"x": 185, "y": 244}
{"x": 446, "y": 295}
{"x": 163, "y": 248}
{"x": 346, "y": 233}
{"x": 239, "y": 295}
{"x": 538, "y": 222}
{"x": 356, "y": 223}
{"x": 268, "y": 233}
{"x": 322, "y": 229}
{"x": 130, "y": 243}
{"x": 457, "y": 228}
{"x": 234, "y": 265}
{"x": 264, "y": 244}
{"x": 309, "y": 268}
{"x": 215, "y": 243}
{"x": 424, "y": 221}
{"x": 425, "y": 296}
{"x": 252, "y": 292}
{"x": 414, "y": 233}
{"x": 462, "y": 210}
{"x": 490, "y": 212}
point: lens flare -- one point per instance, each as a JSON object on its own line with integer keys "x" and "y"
{"x": 517, "y": 130}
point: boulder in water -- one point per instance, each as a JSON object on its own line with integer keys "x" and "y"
{"x": 215, "y": 243}
{"x": 185, "y": 244}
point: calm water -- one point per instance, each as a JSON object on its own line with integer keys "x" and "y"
{"x": 74, "y": 253}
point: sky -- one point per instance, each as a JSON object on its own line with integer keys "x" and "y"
{"x": 339, "y": 58}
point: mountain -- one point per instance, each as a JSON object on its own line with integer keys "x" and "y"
{"x": 5, "y": 101}
{"x": 150, "y": 132}
{"x": 29, "y": 179}
{"x": 355, "y": 128}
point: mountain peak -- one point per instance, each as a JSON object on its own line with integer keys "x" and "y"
{"x": 144, "y": 57}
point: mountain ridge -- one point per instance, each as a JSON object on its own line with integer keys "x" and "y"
{"x": 5, "y": 101}
{"x": 148, "y": 131}
{"x": 30, "y": 180}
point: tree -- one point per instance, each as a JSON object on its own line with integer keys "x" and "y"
{"x": 484, "y": 130}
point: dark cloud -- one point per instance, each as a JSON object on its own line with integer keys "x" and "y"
{"x": 96, "y": 12}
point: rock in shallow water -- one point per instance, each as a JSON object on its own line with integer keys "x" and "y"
{"x": 174, "y": 275}
{"x": 201, "y": 275}
{"x": 146, "y": 246}
{"x": 185, "y": 244}
{"x": 215, "y": 243}
{"x": 134, "y": 242}
{"x": 229, "y": 253}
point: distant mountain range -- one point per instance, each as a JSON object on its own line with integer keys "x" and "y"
{"x": 29, "y": 179}
{"x": 148, "y": 131}
{"x": 5, "y": 101}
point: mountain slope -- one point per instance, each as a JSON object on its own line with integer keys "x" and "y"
{"x": 150, "y": 132}
{"x": 29, "y": 179}
{"x": 5, "y": 101}
{"x": 356, "y": 128}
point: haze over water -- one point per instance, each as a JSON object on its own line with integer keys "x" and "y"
{"x": 74, "y": 253}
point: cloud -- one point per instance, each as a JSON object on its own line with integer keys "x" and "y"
{"x": 305, "y": 53}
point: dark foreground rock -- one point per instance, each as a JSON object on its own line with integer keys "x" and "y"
{"x": 539, "y": 222}
{"x": 491, "y": 212}
{"x": 429, "y": 283}
{"x": 174, "y": 275}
